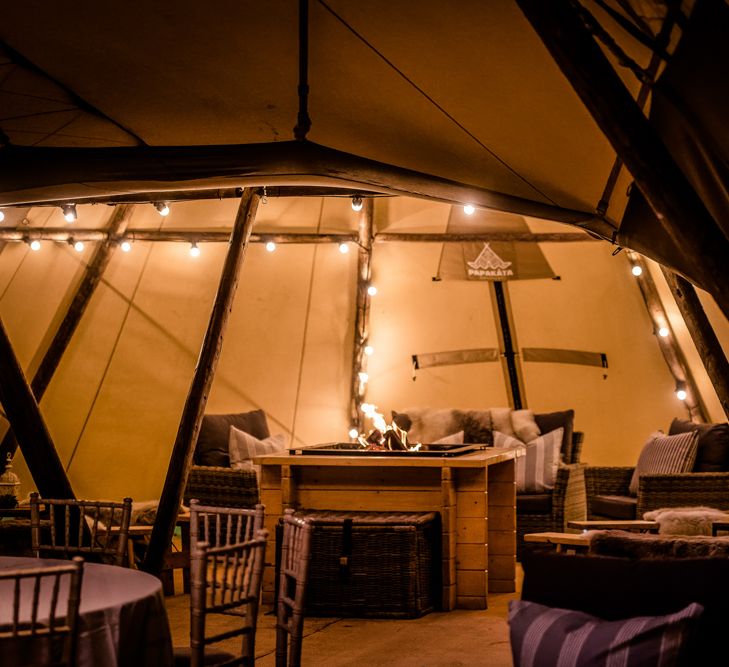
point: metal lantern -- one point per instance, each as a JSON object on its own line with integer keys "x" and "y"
{"x": 9, "y": 486}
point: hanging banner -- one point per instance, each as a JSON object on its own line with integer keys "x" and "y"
{"x": 491, "y": 260}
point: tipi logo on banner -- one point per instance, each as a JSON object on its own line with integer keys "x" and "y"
{"x": 489, "y": 264}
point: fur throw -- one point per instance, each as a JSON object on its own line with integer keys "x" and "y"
{"x": 640, "y": 545}
{"x": 686, "y": 520}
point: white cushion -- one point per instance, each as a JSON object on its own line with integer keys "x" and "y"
{"x": 536, "y": 470}
{"x": 243, "y": 447}
{"x": 501, "y": 421}
{"x": 524, "y": 426}
{"x": 453, "y": 439}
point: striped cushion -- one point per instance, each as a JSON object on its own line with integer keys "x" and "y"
{"x": 665, "y": 454}
{"x": 537, "y": 469}
{"x": 551, "y": 636}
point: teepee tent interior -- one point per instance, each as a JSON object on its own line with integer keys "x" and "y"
{"x": 577, "y": 151}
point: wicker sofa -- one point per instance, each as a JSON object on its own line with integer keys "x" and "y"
{"x": 609, "y": 497}
{"x": 535, "y": 513}
{"x": 211, "y": 480}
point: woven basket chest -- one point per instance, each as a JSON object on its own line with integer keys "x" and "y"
{"x": 373, "y": 564}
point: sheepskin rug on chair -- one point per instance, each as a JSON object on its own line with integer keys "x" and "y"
{"x": 686, "y": 520}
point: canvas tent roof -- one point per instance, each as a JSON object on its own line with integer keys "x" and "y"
{"x": 466, "y": 93}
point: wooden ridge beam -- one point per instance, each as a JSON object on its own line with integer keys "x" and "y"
{"x": 194, "y": 408}
{"x": 698, "y": 325}
{"x": 26, "y": 420}
{"x": 680, "y": 211}
{"x": 76, "y": 309}
{"x": 63, "y": 234}
{"x": 37, "y": 174}
{"x": 517, "y": 237}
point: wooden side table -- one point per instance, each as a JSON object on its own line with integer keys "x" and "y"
{"x": 561, "y": 541}
{"x": 631, "y": 525}
{"x": 178, "y": 559}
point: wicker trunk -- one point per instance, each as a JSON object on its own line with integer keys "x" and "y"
{"x": 373, "y": 564}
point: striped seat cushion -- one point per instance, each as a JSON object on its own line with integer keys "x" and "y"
{"x": 542, "y": 636}
{"x": 665, "y": 454}
{"x": 536, "y": 470}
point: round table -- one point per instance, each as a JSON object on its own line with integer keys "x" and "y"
{"x": 123, "y": 621}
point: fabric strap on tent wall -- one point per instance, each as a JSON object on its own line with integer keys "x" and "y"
{"x": 558, "y": 356}
{"x": 455, "y": 357}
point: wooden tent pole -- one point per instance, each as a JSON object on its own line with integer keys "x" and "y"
{"x": 90, "y": 281}
{"x": 680, "y": 211}
{"x": 707, "y": 344}
{"x": 192, "y": 413}
{"x": 27, "y": 423}
{"x": 362, "y": 312}
{"x": 670, "y": 349}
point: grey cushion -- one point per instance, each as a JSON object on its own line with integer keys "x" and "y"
{"x": 212, "y": 442}
{"x": 712, "y": 454}
{"x": 551, "y": 421}
{"x": 614, "y": 507}
{"x": 665, "y": 455}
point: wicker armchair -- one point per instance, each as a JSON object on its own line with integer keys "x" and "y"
{"x": 222, "y": 487}
{"x": 567, "y": 502}
{"x": 689, "y": 489}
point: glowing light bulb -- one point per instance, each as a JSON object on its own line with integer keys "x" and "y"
{"x": 636, "y": 270}
{"x": 344, "y": 248}
{"x": 363, "y": 377}
{"x": 162, "y": 208}
{"x": 663, "y": 332}
{"x": 357, "y": 203}
{"x": 469, "y": 209}
{"x": 125, "y": 246}
{"x": 69, "y": 212}
{"x": 270, "y": 246}
{"x": 35, "y": 245}
{"x": 372, "y": 290}
{"x": 2, "y": 216}
{"x": 681, "y": 394}
{"x": 369, "y": 350}
{"x": 367, "y": 408}
{"x": 78, "y": 246}
{"x": 353, "y": 433}
{"x": 194, "y": 250}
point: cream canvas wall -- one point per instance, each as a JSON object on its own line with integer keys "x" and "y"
{"x": 114, "y": 405}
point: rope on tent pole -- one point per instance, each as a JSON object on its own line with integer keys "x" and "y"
{"x": 303, "y": 122}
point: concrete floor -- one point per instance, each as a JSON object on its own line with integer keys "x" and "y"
{"x": 439, "y": 639}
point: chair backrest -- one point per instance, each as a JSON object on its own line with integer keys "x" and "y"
{"x": 226, "y": 580}
{"x": 295, "y": 556}
{"x": 220, "y": 526}
{"x": 80, "y": 527}
{"x": 44, "y": 623}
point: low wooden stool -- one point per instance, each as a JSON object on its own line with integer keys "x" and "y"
{"x": 561, "y": 541}
{"x": 631, "y": 525}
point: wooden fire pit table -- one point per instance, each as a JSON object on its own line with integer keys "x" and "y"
{"x": 475, "y": 495}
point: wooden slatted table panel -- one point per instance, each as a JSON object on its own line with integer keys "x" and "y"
{"x": 474, "y": 494}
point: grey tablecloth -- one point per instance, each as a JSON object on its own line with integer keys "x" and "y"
{"x": 123, "y": 618}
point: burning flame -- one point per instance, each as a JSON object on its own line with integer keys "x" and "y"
{"x": 384, "y": 435}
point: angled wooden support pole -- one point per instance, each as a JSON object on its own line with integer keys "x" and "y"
{"x": 698, "y": 325}
{"x": 192, "y": 413}
{"x": 680, "y": 211}
{"x": 27, "y": 423}
{"x": 90, "y": 281}
{"x": 362, "y": 312}
{"x": 670, "y": 349}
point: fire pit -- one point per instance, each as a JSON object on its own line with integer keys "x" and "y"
{"x": 356, "y": 449}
